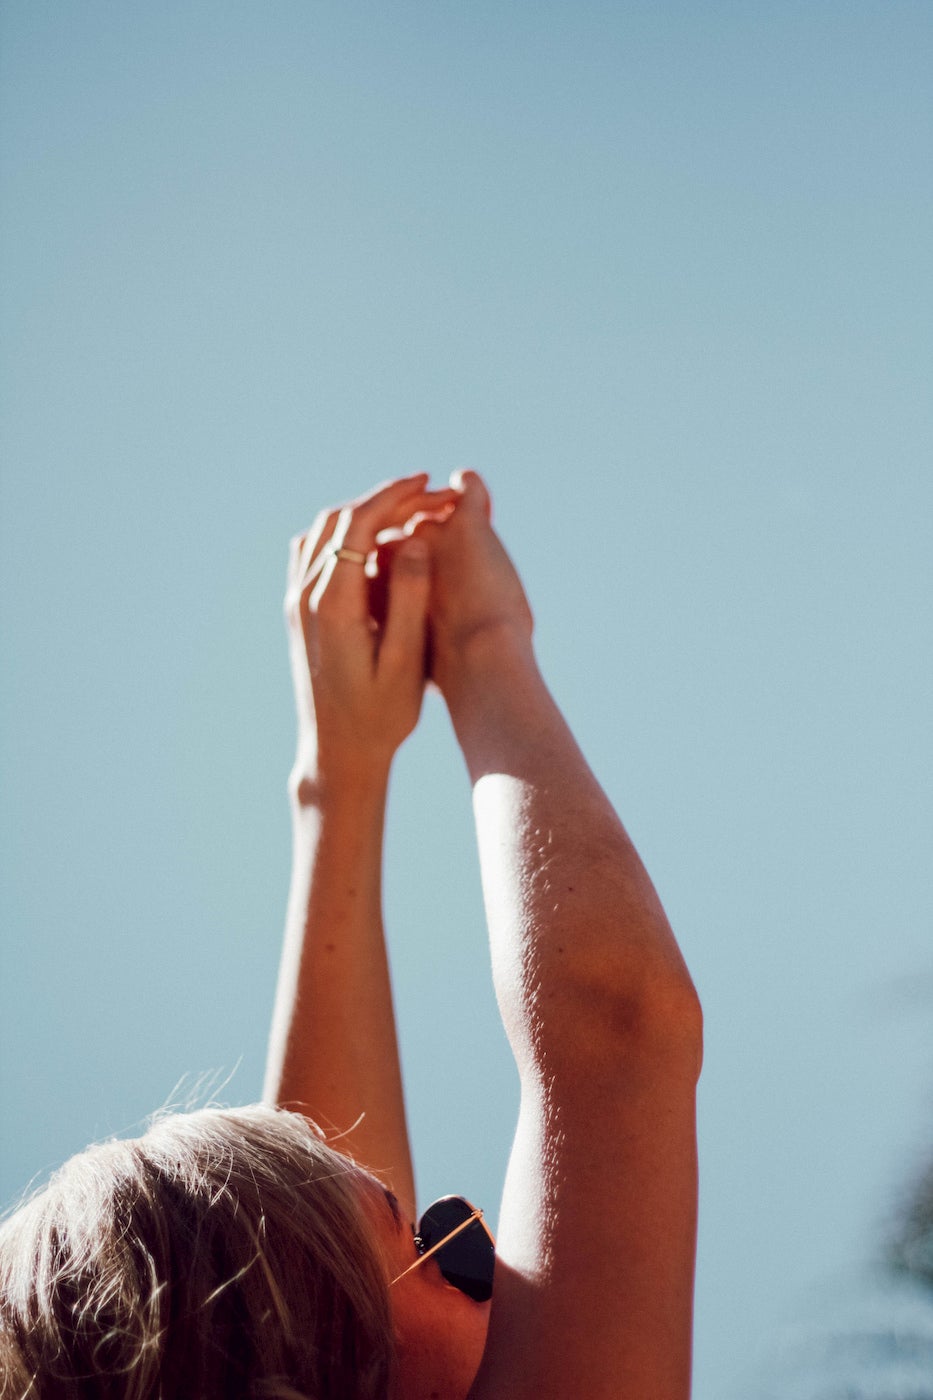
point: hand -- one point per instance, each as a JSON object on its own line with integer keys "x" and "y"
{"x": 476, "y": 594}
{"x": 359, "y": 679}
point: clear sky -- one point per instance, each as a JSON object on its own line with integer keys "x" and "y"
{"x": 663, "y": 273}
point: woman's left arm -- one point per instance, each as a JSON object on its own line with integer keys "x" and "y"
{"x": 333, "y": 1053}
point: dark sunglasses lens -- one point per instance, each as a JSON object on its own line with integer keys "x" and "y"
{"x": 468, "y": 1260}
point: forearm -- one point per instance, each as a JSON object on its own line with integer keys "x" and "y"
{"x": 595, "y": 1253}
{"x": 570, "y": 906}
{"x": 333, "y": 1051}
{"x": 598, "y": 1221}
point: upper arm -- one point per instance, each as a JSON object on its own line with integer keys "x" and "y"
{"x": 594, "y": 1279}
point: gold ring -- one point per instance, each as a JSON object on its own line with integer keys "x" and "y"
{"x": 352, "y": 556}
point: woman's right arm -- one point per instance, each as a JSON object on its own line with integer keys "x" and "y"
{"x": 594, "y": 1280}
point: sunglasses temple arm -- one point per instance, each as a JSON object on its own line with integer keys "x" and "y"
{"x": 477, "y": 1215}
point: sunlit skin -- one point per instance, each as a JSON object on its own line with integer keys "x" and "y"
{"x": 440, "y": 1332}
{"x": 597, "y": 1224}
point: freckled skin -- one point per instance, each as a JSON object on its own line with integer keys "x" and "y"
{"x": 595, "y": 1274}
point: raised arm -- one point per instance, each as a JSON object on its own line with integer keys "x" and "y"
{"x": 594, "y": 1282}
{"x": 333, "y": 1053}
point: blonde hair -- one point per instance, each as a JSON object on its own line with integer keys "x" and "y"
{"x": 223, "y": 1254}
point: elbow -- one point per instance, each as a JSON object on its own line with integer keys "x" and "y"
{"x": 669, "y": 1019}
{"x": 646, "y": 1014}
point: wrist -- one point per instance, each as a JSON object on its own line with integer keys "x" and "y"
{"x": 488, "y": 662}
{"x": 338, "y": 778}
{"x": 502, "y": 712}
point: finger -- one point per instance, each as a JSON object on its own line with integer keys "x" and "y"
{"x": 387, "y": 542}
{"x": 303, "y": 549}
{"x": 359, "y": 526}
{"x": 429, "y": 531}
{"x": 403, "y": 641}
{"x": 379, "y": 505}
{"x": 306, "y": 550}
{"x": 316, "y": 542}
{"x": 291, "y": 601}
{"x": 365, "y": 520}
{"x": 295, "y": 546}
{"x": 329, "y": 533}
{"x": 437, "y": 513}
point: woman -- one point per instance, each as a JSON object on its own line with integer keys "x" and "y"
{"x": 594, "y": 1263}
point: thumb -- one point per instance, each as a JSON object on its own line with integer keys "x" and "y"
{"x": 403, "y": 640}
{"x": 474, "y": 493}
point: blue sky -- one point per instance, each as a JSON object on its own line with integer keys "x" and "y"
{"x": 663, "y": 273}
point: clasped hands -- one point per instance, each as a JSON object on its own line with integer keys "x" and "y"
{"x": 364, "y": 638}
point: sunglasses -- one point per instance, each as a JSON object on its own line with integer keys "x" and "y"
{"x": 455, "y": 1234}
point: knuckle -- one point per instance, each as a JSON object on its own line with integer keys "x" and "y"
{"x": 429, "y": 531}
